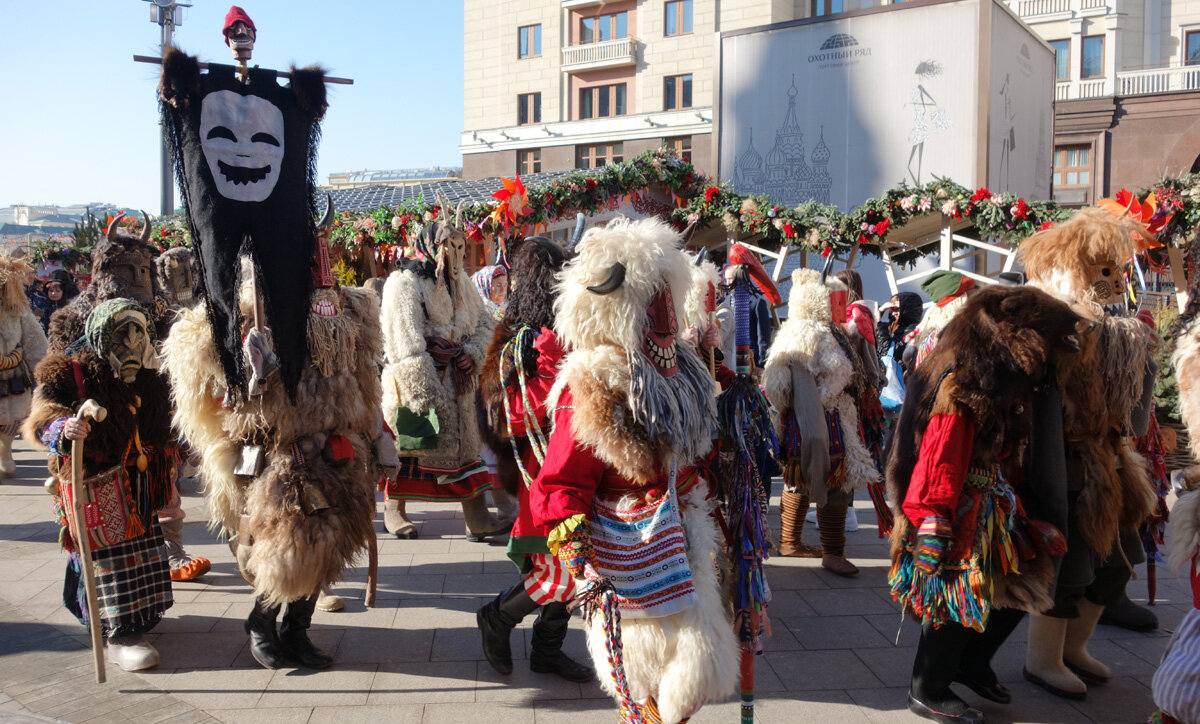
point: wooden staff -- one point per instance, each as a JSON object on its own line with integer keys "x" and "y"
{"x": 89, "y": 410}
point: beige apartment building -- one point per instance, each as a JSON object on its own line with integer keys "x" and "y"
{"x": 551, "y": 85}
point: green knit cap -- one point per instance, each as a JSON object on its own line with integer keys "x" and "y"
{"x": 944, "y": 283}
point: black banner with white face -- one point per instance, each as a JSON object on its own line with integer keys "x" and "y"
{"x": 245, "y": 155}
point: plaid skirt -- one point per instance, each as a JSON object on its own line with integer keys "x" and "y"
{"x": 133, "y": 585}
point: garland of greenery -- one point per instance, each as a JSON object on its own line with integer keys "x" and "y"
{"x": 812, "y": 226}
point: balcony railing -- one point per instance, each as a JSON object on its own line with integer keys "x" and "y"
{"x": 1050, "y": 9}
{"x": 1132, "y": 83}
{"x": 1030, "y": 8}
{"x": 1158, "y": 80}
{"x": 605, "y": 54}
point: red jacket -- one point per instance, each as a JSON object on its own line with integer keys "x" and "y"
{"x": 941, "y": 469}
{"x": 572, "y": 475}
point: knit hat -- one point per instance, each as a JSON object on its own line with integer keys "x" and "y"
{"x": 944, "y": 286}
{"x": 103, "y": 322}
{"x": 235, "y": 15}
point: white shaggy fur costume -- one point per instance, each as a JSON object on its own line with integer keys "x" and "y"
{"x": 620, "y": 423}
{"x": 415, "y": 308}
{"x": 22, "y": 346}
{"x": 807, "y": 340}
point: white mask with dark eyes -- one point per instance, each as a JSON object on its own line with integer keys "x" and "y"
{"x": 242, "y": 138}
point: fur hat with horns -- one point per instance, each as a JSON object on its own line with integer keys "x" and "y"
{"x": 605, "y": 290}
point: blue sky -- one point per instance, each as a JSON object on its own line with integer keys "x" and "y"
{"x": 79, "y": 119}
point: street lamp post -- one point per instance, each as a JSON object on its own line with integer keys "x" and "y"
{"x": 168, "y": 14}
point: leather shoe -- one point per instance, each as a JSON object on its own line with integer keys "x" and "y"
{"x": 996, "y": 692}
{"x": 953, "y": 711}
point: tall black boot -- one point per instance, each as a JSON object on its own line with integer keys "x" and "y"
{"x": 975, "y": 670}
{"x": 264, "y": 640}
{"x": 939, "y": 655}
{"x": 496, "y": 621}
{"x": 549, "y": 632}
{"x": 293, "y": 634}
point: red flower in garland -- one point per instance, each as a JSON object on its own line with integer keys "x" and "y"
{"x": 711, "y": 193}
{"x": 882, "y": 227}
{"x": 1020, "y": 209}
{"x": 1045, "y": 225}
{"x": 788, "y": 230}
{"x": 862, "y": 239}
{"x": 826, "y": 251}
{"x": 590, "y": 184}
{"x": 686, "y": 180}
{"x": 981, "y": 194}
{"x": 547, "y": 198}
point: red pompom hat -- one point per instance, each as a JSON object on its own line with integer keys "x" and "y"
{"x": 234, "y": 15}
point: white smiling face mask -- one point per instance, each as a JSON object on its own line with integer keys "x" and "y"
{"x": 242, "y": 139}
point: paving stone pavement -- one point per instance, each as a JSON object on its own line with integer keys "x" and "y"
{"x": 839, "y": 649}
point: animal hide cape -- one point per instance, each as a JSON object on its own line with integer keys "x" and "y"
{"x": 245, "y": 155}
{"x": 294, "y": 551}
{"x": 808, "y": 340}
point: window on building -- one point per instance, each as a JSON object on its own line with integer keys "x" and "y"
{"x": 679, "y": 17}
{"x": 609, "y": 26}
{"x": 529, "y": 161}
{"x": 681, "y": 145}
{"x": 1192, "y": 43}
{"x": 1092, "y": 57}
{"x": 677, "y": 92}
{"x": 1062, "y": 59}
{"x": 602, "y": 101}
{"x": 599, "y": 155}
{"x": 1072, "y": 166}
{"x": 529, "y": 41}
{"x": 826, "y": 7}
{"x": 529, "y": 108}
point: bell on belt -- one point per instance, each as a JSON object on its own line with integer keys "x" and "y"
{"x": 142, "y": 462}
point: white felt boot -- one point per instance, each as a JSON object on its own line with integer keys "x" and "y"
{"x": 7, "y": 466}
{"x": 1044, "y": 658}
{"x": 1075, "y": 653}
{"x": 132, "y": 653}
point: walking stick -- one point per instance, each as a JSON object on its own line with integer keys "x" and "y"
{"x": 89, "y": 410}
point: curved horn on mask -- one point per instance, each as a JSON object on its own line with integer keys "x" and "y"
{"x": 458, "y": 214}
{"x": 327, "y": 217}
{"x": 149, "y": 222}
{"x": 580, "y": 224}
{"x": 444, "y": 214}
{"x": 616, "y": 277}
{"x": 111, "y": 231}
{"x": 701, "y": 256}
{"x": 826, "y": 267}
{"x": 689, "y": 230}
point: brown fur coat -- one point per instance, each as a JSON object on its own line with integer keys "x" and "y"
{"x": 295, "y": 549}
{"x": 986, "y": 365}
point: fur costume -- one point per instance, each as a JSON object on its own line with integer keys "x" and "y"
{"x": 22, "y": 346}
{"x": 122, "y": 266}
{"x": 132, "y": 576}
{"x": 629, "y": 404}
{"x": 530, "y": 305}
{"x": 985, "y": 371}
{"x": 430, "y": 300}
{"x": 1079, "y": 260}
{"x": 307, "y": 521}
{"x": 809, "y": 340}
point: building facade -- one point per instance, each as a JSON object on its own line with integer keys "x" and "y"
{"x": 1128, "y": 91}
{"x": 552, "y": 85}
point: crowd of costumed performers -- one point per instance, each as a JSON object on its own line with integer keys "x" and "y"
{"x": 625, "y": 401}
